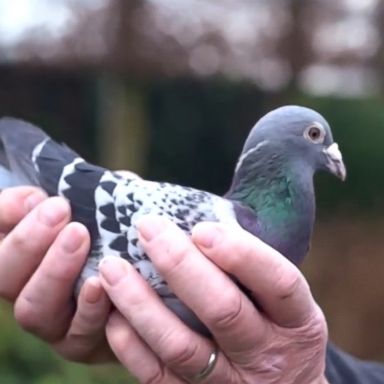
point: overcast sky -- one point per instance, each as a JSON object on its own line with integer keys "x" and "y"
{"x": 18, "y": 16}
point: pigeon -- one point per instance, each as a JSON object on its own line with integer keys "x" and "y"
{"x": 271, "y": 194}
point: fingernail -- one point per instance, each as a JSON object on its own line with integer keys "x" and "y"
{"x": 112, "y": 269}
{"x": 33, "y": 200}
{"x": 151, "y": 226}
{"x": 92, "y": 290}
{"x": 71, "y": 238}
{"x": 53, "y": 212}
{"x": 206, "y": 234}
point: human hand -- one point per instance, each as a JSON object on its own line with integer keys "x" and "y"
{"x": 281, "y": 340}
{"x": 41, "y": 256}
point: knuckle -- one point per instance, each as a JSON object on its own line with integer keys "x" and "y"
{"x": 72, "y": 352}
{"x": 78, "y": 348}
{"x": 85, "y": 323}
{"x": 316, "y": 327}
{"x": 177, "y": 251}
{"x": 234, "y": 256}
{"x": 26, "y": 238}
{"x": 237, "y": 251}
{"x": 25, "y": 315}
{"x": 28, "y": 316}
{"x": 63, "y": 273}
{"x": 119, "y": 336}
{"x": 18, "y": 237}
{"x": 178, "y": 350}
{"x": 79, "y": 335}
{"x": 226, "y": 313}
{"x": 119, "y": 342}
{"x": 156, "y": 376}
{"x": 287, "y": 282}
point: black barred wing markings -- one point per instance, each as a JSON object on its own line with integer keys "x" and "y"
{"x": 107, "y": 223}
{"x": 78, "y": 183}
{"x": 110, "y": 206}
{"x": 183, "y": 205}
{"x": 69, "y": 169}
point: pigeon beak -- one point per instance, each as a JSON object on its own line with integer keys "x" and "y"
{"x": 335, "y": 162}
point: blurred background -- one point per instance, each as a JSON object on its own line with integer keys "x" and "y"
{"x": 170, "y": 89}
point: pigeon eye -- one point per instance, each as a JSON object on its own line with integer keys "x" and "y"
{"x": 315, "y": 134}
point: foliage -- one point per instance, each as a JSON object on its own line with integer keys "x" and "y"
{"x": 24, "y": 359}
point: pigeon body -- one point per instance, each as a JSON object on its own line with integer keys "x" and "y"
{"x": 271, "y": 196}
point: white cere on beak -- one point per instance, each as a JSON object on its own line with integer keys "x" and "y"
{"x": 334, "y": 153}
{"x": 335, "y": 161}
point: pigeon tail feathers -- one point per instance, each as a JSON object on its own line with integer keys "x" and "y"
{"x": 24, "y": 150}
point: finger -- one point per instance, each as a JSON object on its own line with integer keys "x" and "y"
{"x": 22, "y": 250}
{"x": 45, "y": 304}
{"x": 15, "y": 203}
{"x": 181, "y": 349}
{"x": 275, "y": 282}
{"x": 210, "y": 293}
{"x": 135, "y": 355}
{"x": 86, "y": 338}
{"x": 93, "y": 308}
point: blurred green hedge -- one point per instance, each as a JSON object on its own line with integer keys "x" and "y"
{"x": 24, "y": 359}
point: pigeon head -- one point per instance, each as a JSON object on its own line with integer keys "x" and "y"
{"x": 295, "y": 134}
{"x": 273, "y": 179}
